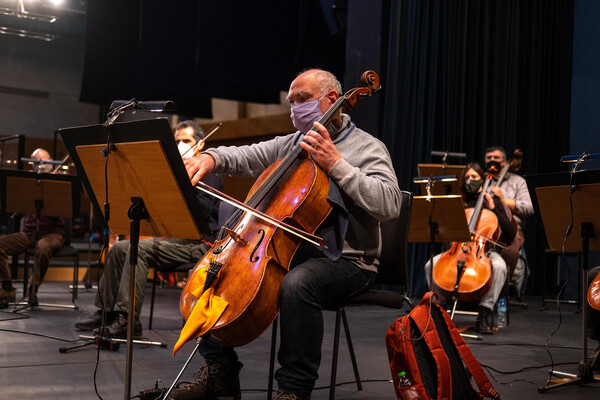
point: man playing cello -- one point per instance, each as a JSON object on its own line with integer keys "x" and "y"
{"x": 361, "y": 167}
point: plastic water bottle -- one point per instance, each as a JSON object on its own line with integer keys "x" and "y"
{"x": 407, "y": 388}
{"x": 501, "y": 316}
{"x": 403, "y": 380}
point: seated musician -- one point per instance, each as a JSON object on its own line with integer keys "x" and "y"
{"x": 514, "y": 194}
{"x": 51, "y": 238}
{"x": 361, "y": 167}
{"x": 471, "y": 185}
{"x": 152, "y": 252}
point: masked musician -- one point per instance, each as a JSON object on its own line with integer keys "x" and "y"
{"x": 361, "y": 167}
{"x": 50, "y": 238}
{"x": 189, "y": 137}
{"x": 471, "y": 184}
{"x": 155, "y": 252}
{"x": 514, "y": 194}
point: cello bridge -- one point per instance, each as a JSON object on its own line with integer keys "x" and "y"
{"x": 236, "y": 237}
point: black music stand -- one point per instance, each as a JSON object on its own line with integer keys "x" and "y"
{"x": 26, "y": 192}
{"x": 146, "y": 189}
{"x": 444, "y": 188}
{"x": 555, "y": 204}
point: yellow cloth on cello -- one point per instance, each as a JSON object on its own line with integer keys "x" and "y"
{"x": 204, "y": 316}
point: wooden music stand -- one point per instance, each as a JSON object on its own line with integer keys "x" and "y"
{"x": 26, "y": 192}
{"x": 445, "y": 188}
{"x": 145, "y": 190}
{"x": 555, "y": 205}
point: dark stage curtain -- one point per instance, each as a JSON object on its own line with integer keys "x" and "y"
{"x": 463, "y": 75}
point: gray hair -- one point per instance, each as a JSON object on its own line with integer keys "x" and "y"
{"x": 325, "y": 80}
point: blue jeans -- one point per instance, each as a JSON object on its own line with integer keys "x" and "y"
{"x": 310, "y": 287}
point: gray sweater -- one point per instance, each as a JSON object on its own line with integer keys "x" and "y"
{"x": 365, "y": 176}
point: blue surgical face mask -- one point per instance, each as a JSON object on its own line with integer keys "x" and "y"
{"x": 304, "y": 114}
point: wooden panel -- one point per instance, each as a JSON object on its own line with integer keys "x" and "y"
{"x": 23, "y": 192}
{"x": 252, "y": 127}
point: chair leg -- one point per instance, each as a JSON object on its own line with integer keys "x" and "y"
{"x": 25, "y": 273}
{"x": 272, "y": 359}
{"x": 334, "y": 358}
{"x": 152, "y": 300}
{"x": 351, "y": 350}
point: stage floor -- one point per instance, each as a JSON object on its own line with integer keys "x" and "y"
{"x": 31, "y": 366}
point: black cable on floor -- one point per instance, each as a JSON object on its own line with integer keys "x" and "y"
{"x": 39, "y": 334}
{"x": 17, "y": 317}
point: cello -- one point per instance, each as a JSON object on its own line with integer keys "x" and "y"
{"x": 593, "y": 294}
{"x": 465, "y": 270}
{"x": 249, "y": 263}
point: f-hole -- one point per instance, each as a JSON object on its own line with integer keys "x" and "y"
{"x": 252, "y": 257}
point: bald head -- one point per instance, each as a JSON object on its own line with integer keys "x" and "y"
{"x": 41, "y": 154}
{"x": 311, "y": 83}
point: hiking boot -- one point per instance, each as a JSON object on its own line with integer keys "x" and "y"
{"x": 484, "y": 321}
{"x": 7, "y": 295}
{"x": 282, "y": 395}
{"x": 118, "y": 328}
{"x": 212, "y": 381}
{"x": 94, "y": 321}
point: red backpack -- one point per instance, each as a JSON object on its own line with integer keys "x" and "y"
{"x": 426, "y": 345}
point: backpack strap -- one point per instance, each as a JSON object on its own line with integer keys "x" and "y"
{"x": 484, "y": 384}
{"x": 421, "y": 315}
{"x": 409, "y": 363}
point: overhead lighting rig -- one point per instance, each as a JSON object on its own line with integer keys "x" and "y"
{"x": 21, "y": 13}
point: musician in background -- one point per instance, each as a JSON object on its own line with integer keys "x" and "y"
{"x": 152, "y": 252}
{"x": 361, "y": 167}
{"x": 189, "y": 134}
{"x": 514, "y": 194}
{"x": 471, "y": 184}
{"x": 51, "y": 238}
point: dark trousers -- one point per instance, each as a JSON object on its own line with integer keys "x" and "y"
{"x": 16, "y": 243}
{"x": 152, "y": 252}
{"x": 315, "y": 285}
